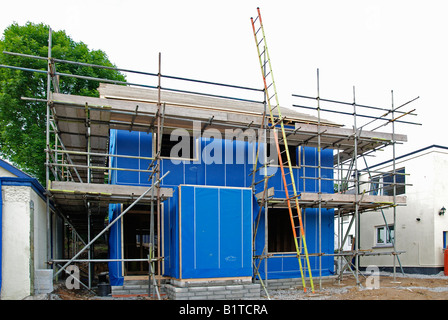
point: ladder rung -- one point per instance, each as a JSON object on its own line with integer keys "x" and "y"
{"x": 278, "y": 119}
{"x": 272, "y": 96}
{"x": 259, "y": 168}
{"x": 258, "y": 44}
{"x": 262, "y": 53}
{"x": 264, "y": 64}
{"x": 258, "y": 29}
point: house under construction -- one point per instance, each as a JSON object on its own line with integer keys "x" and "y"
{"x": 198, "y": 190}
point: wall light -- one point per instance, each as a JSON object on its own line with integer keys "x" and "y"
{"x": 442, "y": 211}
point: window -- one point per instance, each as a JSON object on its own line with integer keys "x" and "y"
{"x": 280, "y": 237}
{"x": 384, "y": 235}
{"x": 382, "y": 185}
{"x": 375, "y": 186}
{"x": 183, "y": 147}
{"x": 445, "y": 239}
{"x": 272, "y": 154}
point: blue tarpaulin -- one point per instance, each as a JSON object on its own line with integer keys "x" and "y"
{"x": 115, "y": 267}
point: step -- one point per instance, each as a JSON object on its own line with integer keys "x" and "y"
{"x": 131, "y": 288}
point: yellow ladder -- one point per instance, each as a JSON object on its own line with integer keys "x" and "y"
{"x": 271, "y": 95}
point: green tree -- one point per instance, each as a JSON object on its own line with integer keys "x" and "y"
{"x": 23, "y": 123}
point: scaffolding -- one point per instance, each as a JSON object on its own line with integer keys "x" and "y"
{"x": 77, "y": 162}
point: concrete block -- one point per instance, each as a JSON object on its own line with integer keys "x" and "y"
{"x": 215, "y": 288}
{"x": 120, "y": 292}
{"x": 140, "y": 291}
{"x": 181, "y": 295}
{"x": 116, "y": 288}
{"x": 43, "y": 281}
{"x": 233, "y": 287}
{"x": 131, "y": 287}
{"x": 198, "y": 289}
{"x": 179, "y": 290}
{"x": 197, "y": 298}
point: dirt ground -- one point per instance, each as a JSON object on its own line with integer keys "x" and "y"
{"x": 407, "y": 287}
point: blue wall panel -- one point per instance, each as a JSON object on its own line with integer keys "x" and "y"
{"x": 206, "y": 237}
{"x": 171, "y": 236}
{"x": 215, "y": 232}
{"x": 115, "y": 267}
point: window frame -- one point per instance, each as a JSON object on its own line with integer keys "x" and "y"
{"x": 281, "y": 221}
{"x": 382, "y": 184}
{"x": 295, "y": 153}
{"x": 388, "y": 240}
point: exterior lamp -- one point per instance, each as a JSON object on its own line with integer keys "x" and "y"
{"x": 442, "y": 211}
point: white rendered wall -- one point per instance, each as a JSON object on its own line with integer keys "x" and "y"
{"x": 6, "y": 173}
{"x": 40, "y": 231}
{"x": 17, "y": 267}
{"x": 420, "y": 239}
{"x": 15, "y": 242}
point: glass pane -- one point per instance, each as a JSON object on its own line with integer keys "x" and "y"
{"x": 392, "y": 234}
{"x": 375, "y": 184}
{"x": 380, "y": 233}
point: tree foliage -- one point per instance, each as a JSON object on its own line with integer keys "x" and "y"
{"x": 23, "y": 123}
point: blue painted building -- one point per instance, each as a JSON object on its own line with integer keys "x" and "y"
{"x": 208, "y": 228}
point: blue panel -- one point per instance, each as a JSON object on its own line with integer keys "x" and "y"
{"x": 127, "y": 144}
{"x": 194, "y": 174}
{"x": 235, "y": 159}
{"x": 145, "y": 150}
{"x": 206, "y": 229}
{"x": 130, "y": 144}
{"x": 213, "y": 158}
{"x": 115, "y": 267}
{"x": 216, "y": 232}
{"x": 171, "y": 236}
{"x": 231, "y": 228}
{"x": 176, "y": 175}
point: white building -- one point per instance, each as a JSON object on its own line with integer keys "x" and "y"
{"x": 421, "y": 227}
{"x": 23, "y": 233}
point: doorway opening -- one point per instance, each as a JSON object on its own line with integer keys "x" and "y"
{"x": 280, "y": 236}
{"x": 136, "y": 235}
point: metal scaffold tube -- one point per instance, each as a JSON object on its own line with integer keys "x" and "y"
{"x": 111, "y": 224}
{"x": 47, "y": 157}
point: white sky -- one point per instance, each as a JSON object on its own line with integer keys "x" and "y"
{"x": 376, "y": 46}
